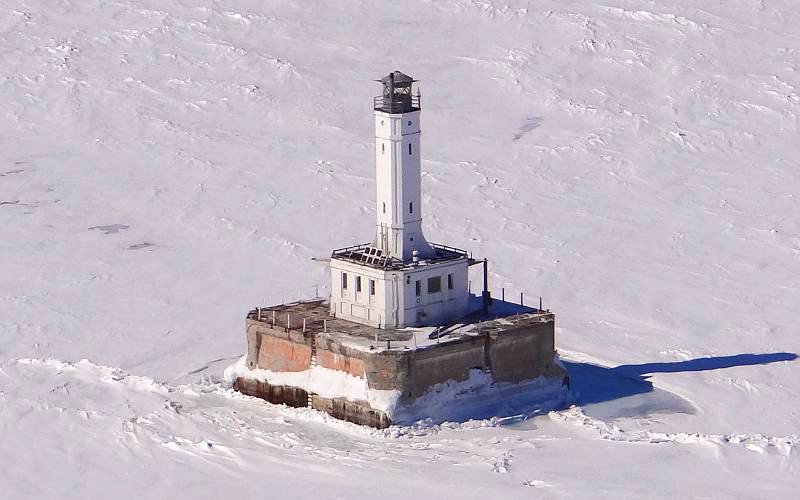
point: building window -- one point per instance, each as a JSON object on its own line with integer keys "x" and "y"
{"x": 411, "y": 208}
{"x": 384, "y": 207}
{"x": 418, "y": 285}
{"x": 449, "y": 281}
{"x": 358, "y": 283}
{"x": 435, "y": 284}
{"x": 409, "y": 148}
{"x": 372, "y": 287}
{"x": 409, "y": 123}
{"x": 383, "y": 148}
{"x": 344, "y": 281}
{"x": 408, "y": 280}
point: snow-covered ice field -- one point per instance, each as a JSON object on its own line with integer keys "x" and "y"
{"x": 166, "y": 165}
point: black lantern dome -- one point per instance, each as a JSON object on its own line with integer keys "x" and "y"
{"x": 398, "y": 96}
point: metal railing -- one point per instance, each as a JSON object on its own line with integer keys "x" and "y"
{"x": 446, "y": 248}
{"x": 401, "y": 104}
{"x": 290, "y": 321}
{"x": 360, "y": 254}
{"x": 300, "y": 294}
{"x": 366, "y": 254}
{"x": 360, "y": 246}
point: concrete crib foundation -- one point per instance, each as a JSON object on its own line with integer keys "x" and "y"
{"x": 294, "y": 361}
{"x": 357, "y": 412}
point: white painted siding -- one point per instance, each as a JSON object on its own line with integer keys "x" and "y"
{"x": 386, "y": 304}
{"x": 435, "y": 308}
{"x": 398, "y": 201}
{"x": 359, "y": 306}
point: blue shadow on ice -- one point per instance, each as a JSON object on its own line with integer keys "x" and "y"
{"x": 704, "y": 364}
{"x": 624, "y": 391}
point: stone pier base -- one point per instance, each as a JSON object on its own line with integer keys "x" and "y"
{"x": 510, "y": 348}
{"x": 351, "y": 411}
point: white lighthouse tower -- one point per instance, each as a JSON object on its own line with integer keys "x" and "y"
{"x": 399, "y": 279}
{"x": 299, "y": 353}
{"x": 397, "y": 169}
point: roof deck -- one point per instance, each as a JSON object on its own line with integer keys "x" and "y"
{"x": 367, "y": 255}
{"x": 314, "y": 318}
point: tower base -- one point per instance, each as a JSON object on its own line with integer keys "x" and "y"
{"x": 503, "y": 365}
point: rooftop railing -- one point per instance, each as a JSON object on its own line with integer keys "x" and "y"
{"x": 366, "y": 254}
{"x": 402, "y": 103}
{"x": 444, "y": 248}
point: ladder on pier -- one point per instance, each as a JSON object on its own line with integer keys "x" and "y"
{"x": 312, "y": 365}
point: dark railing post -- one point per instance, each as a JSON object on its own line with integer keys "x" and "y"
{"x": 485, "y": 285}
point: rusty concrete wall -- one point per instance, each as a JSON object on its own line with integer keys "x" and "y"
{"x": 276, "y": 349}
{"x": 522, "y": 354}
{"x": 388, "y": 370}
{"x": 281, "y": 355}
{"x": 337, "y": 355}
{"x": 276, "y": 394}
{"x": 324, "y": 342}
{"x": 383, "y": 370}
{"x": 253, "y": 344}
{"x": 341, "y": 362}
{"x": 443, "y": 362}
{"x": 511, "y": 355}
{"x": 358, "y": 412}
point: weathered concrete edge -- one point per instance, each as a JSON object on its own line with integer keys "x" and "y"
{"x": 357, "y": 412}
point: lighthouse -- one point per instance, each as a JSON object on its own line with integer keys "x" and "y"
{"x": 399, "y": 279}
{"x": 398, "y": 323}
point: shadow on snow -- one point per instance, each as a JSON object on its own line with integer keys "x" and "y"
{"x": 603, "y": 392}
{"x": 624, "y": 391}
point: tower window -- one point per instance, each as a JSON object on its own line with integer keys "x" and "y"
{"x": 450, "y": 281}
{"x": 372, "y": 287}
{"x": 409, "y": 148}
{"x": 409, "y": 123}
{"x": 408, "y": 280}
{"x": 411, "y": 207}
{"x": 384, "y": 207}
{"x": 418, "y": 285}
{"x": 344, "y": 281}
{"x": 383, "y": 148}
{"x": 358, "y": 283}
